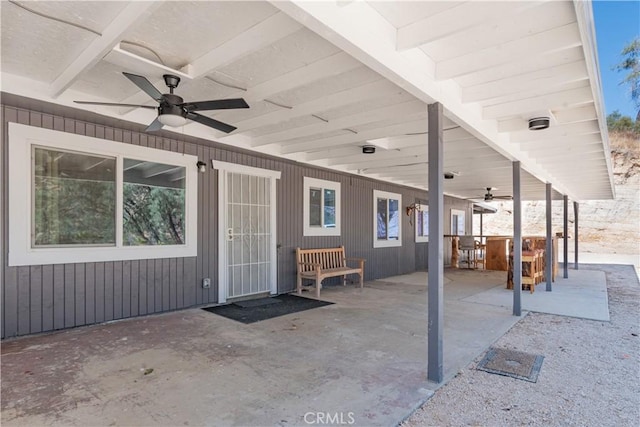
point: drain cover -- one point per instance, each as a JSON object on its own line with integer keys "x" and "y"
{"x": 512, "y": 363}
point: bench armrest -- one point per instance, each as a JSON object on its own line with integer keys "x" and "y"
{"x": 361, "y": 261}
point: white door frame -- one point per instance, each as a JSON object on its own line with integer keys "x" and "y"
{"x": 224, "y": 168}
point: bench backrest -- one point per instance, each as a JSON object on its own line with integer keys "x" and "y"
{"x": 327, "y": 257}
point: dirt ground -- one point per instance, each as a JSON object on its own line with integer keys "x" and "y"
{"x": 590, "y": 375}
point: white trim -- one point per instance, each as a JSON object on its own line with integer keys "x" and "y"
{"x": 274, "y": 241}
{"x": 324, "y": 185}
{"x": 22, "y": 138}
{"x": 222, "y": 240}
{"x": 420, "y": 208}
{"x": 223, "y": 169}
{"x": 586, "y": 25}
{"x": 247, "y": 170}
{"x": 386, "y": 243}
{"x": 119, "y": 200}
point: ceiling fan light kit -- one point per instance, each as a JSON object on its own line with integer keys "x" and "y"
{"x": 170, "y": 114}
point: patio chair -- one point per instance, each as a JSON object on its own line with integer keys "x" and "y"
{"x": 480, "y": 255}
{"x": 468, "y": 248}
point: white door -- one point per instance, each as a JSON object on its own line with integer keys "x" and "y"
{"x": 247, "y": 223}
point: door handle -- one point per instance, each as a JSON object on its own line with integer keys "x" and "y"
{"x": 229, "y": 234}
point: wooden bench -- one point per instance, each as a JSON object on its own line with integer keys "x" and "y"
{"x": 318, "y": 264}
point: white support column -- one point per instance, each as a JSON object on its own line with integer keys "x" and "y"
{"x": 517, "y": 241}
{"x": 435, "y": 316}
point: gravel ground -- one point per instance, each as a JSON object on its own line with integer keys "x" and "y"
{"x": 590, "y": 375}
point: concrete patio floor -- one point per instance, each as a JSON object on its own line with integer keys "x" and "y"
{"x": 361, "y": 359}
{"x": 583, "y": 294}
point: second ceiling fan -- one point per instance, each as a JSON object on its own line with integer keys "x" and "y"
{"x": 172, "y": 110}
{"x": 489, "y": 195}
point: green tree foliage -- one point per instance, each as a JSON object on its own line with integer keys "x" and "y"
{"x": 616, "y": 122}
{"x": 631, "y": 65}
{"x": 74, "y": 211}
{"x": 153, "y": 215}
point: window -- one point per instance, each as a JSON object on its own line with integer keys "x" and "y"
{"x": 387, "y": 227}
{"x": 153, "y": 204}
{"x": 95, "y": 200}
{"x": 457, "y": 222}
{"x": 74, "y": 198}
{"x": 321, "y": 208}
{"x": 422, "y": 223}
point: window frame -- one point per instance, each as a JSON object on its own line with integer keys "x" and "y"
{"x": 308, "y": 230}
{"x": 418, "y": 210}
{"x": 23, "y": 138}
{"x": 388, "y": 243}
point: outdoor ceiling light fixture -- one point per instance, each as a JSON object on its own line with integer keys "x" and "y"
{"x": 202, "y": 166}
{"x": 368, "y": 149}
{"x": 171, "y": 115}
{"x": 539, "y": 123}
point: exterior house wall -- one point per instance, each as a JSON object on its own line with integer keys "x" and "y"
{"x": 42, "y": 298}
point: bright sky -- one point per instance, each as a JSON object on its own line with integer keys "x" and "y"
{"x": 617, "y": 24}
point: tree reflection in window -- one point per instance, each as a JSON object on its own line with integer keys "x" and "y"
{"x": 388, "y": 219}
{"x": 315, "y": 207}
{"x": 382, "y": 219}
{"x": 73, "y": 198}
{"x": 322, "y": 207}
{"x": 154, "y": 204}
{"x": 329, "y": 208}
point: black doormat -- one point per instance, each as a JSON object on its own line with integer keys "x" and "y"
{"x": 252, "y": 311}
{"x": 512, "y": 363}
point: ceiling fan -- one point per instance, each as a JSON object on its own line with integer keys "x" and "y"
{"x": 173, "y": 111}
{"x": 489, "y": 196}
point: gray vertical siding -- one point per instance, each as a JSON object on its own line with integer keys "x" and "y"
{"x": 43, "y": 298}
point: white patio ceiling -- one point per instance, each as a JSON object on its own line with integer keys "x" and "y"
{"x": 325, "y": 78}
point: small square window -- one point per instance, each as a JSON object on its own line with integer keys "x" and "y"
{"x": 321, "y": 210}
{"x": 387, "y": 226}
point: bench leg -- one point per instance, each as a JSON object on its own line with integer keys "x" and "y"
{"x": 318, "y": 284}
{"x": 361, "y": 279}
{"x": 299, "y": 285}
{"x": 344, "y": 280}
